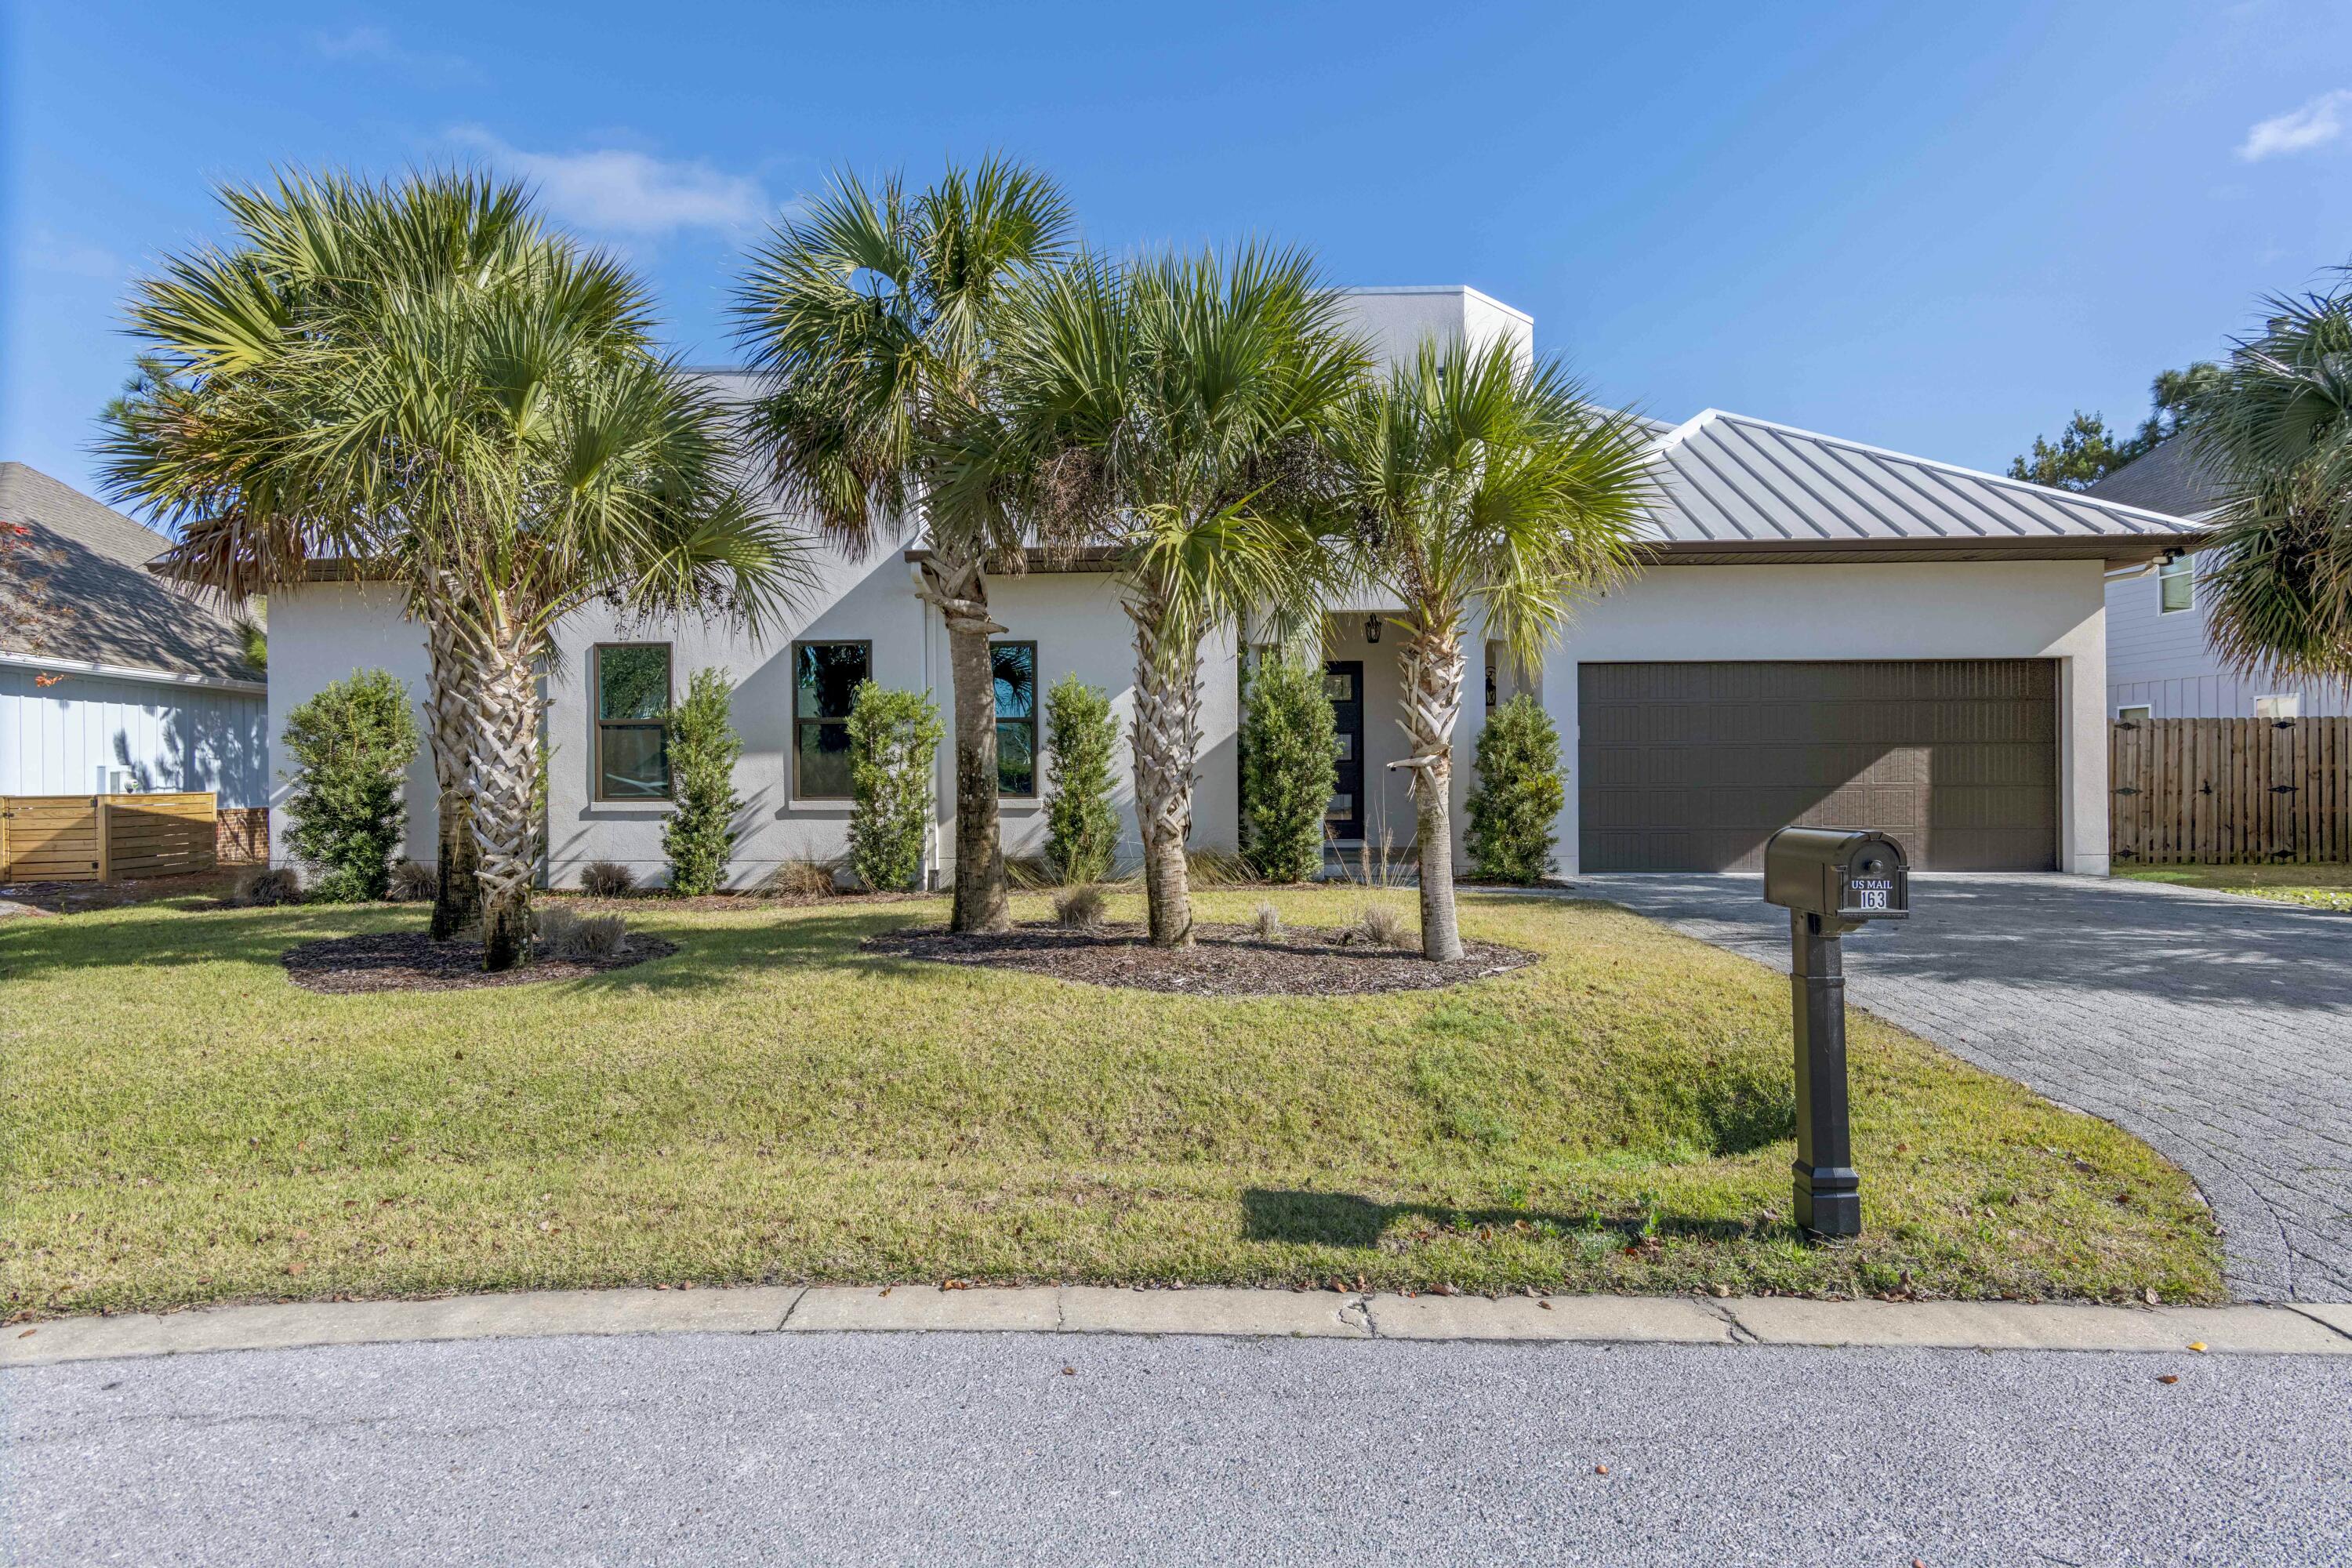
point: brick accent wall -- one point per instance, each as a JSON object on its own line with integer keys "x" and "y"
{"x": 242, "y": 835}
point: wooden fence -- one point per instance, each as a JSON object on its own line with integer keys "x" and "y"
{"x": 106, "y": 837}
{"x": 2232, "y": 790}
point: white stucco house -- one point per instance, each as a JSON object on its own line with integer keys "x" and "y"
{"x": 2160, "y": 662}
{"x": 118, "y": 682}
{"x": 1829, "y": 632}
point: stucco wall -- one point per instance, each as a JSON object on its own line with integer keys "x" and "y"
{"x": 54, "y": 739}
{"x": 1954, "y": 610}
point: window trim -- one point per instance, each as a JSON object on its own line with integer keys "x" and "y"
{"x": 2181, "y": 569}
{"x": 794, "y": 704}
{"x": 2147, "y": 712}
{"x": 2274, "y": 717}
{"x": 1036, "y": 762}
{"x": 598, "y": 724}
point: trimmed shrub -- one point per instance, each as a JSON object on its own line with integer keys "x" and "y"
{"x": 893, "y": 738}
{"x": 1520, "y": 791}
{"x": 351, "y": 744}
{"x": 567, "y": 935}
{"x": 266, "y": 885}
{"x": 415, "y": 882}
{"x": 606, "y": 879}
{"x": 1081, "y": 824}
{"x": 701, "y": 835}
{"x": 1080, "y": 907}
{"x": 1288, "y": 743}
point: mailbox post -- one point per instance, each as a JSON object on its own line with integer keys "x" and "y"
{"x": 1832, "y": 880}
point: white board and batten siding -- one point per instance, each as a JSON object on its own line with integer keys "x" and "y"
{"x": 83, "y": 734}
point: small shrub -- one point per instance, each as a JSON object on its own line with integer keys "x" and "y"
{"x": 1382, "y": 925}
{"x": 266, "y": 885}
{"x": 893, "y": 737}
{"x": 1080, "y": 907}
{"x": 352, "y": 743}
{"x": 606, "y": 879}
{"x": 700, "y": 836}
{"x": 1266, "y": 925}
{"x": 804, "y": 876}
{"x": 1081, "y": 824}
{"x": 1520, "y": 791}
{"x": 567, "y": 935}
{"x": 415, "y": 882}
{"x": 1288, "y": 743}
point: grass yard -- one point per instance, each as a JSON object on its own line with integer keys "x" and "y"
{"x": 184, "y": 1125}
{"x": 2314, "y": 887}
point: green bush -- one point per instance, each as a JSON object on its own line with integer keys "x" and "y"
{"x": 703, "y": 747}
{"x": 1288, "y": 745}
{"x": 893, "y": 736}
{"x": 1520, "y": 791}
{"x": 1081, "y": 824}
{"x": 350, "y": 744}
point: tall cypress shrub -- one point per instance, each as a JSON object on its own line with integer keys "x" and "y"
{"x": 1520, "y": 791}
{"x": 1287, "y": 744}
{"x": 351, "y": 744}
{"x": 701, "y": 833}
{"x": 893, "y": 738}
{"x": 1081, "y": 824}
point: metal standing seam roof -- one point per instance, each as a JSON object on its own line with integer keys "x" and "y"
{"x": 1730, "y": 480}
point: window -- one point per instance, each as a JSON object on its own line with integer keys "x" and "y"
{"x": 2138, "y": 713}
{"x": 2176, "y": 586}
{"x": 2289, "y": 706}
{"x": 633, "y": 720}
{"x": 825, "y": 677}
{"x": 1015, "y": 667}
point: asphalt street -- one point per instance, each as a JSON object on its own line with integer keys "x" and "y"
{"x": 1012, "y": 1449}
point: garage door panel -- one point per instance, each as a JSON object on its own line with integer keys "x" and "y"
{"x": 1692, "y": 767}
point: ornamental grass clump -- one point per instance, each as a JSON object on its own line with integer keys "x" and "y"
{"x": 1080, "y": 909}
{"x": 606, "y": 879}
{"x": 1520, "y": 791}
{"x": 893, "y": 738}
{"x": 568, "y": 936}
{"x": 1288, "y": 743}
{"x": 1081, "y": 824}
{"x": 266, "y": 886}
{"x": 703, "y": 748}
{"x": 350, "y": 744}
{"x": 413, "y": 882}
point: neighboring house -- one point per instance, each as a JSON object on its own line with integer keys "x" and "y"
{"x": 2159, "y": 664}
{"x": 1830, "y": 632}
{"x": 123, "y": 683}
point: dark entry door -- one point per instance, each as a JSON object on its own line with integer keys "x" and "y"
{"x": 1343, "y": 681}
{"x": 1689, "y": 767}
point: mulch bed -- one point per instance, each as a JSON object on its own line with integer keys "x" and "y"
{"x": 413, "y": 961}
{"x": 1224, "y": 960}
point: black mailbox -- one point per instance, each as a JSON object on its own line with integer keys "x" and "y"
{"x": 1846, "y": 874}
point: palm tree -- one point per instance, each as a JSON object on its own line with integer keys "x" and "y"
{"x": 1479, "y": 485}
{"x": 2274, "y": 428}
{"x": 499, "y": 439}
{"x": 1170, "y": 410}
{"x": 874, "y": 318}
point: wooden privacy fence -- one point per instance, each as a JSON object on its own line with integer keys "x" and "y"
{"x": 2234, "y": 791}
{"x": 105, "y": 837}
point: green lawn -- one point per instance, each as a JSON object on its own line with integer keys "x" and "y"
{"x": 2314, "y": 887}
{"x": 183, "y": 1125}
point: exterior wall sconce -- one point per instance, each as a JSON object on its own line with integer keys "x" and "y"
{"x": 1371, "y": 628}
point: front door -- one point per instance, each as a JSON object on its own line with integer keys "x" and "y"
{"x": 1343, "y": 682}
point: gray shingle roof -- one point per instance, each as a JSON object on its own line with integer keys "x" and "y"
{"x": 92, "y": 563}
{"x": 2167, "y": 478}
{"x": 1726, "y": 479}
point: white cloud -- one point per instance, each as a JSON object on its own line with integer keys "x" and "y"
{"x": 2314, "y": 125}
{"x": 614, "y": 191}
{"x": 376, "y": 46}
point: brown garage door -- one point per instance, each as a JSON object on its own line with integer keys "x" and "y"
{"x": 1689, "y": 767}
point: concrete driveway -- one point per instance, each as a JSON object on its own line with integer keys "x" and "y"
{"x": 2217, "y": 1027}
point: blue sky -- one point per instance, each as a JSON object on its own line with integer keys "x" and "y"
{"x": 1938, "y": 229}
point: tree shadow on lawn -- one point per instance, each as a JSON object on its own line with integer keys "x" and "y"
{"x": 1346, "y": 1219}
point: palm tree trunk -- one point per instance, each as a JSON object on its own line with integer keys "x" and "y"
{"x": 1431, "y": 663}
{"x": 961, "y": 591}
{"x": 505, "y": 759}
{"x": 1166, "y": 739}
{"x": 458, "y": 895}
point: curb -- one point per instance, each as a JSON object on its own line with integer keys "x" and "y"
{"x": 2305, "y": 1328}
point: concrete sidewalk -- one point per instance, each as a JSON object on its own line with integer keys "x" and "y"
{"x": 2306, "y": 1329}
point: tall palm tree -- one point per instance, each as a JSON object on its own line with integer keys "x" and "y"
{"x": 499, "y": 440}
{"x": 1479, "y": 485}
{"x": 873, "y": 318}
{"x": 2274, "y": 428}
{"x": 1170, "y": 410}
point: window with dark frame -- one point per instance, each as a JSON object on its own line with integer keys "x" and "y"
{"x": 1015, "y": 665}
{"x": 632, "y": 700}
{"x": 824, "y": 679}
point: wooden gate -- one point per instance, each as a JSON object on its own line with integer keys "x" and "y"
{"x": 2230, "y": 791}
{"x": 104, "y": 837}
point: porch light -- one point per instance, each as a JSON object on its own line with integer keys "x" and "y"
{"x": 1371, "y": 628}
